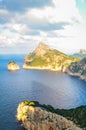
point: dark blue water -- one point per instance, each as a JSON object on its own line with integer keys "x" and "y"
{"x": 57, "y": 89}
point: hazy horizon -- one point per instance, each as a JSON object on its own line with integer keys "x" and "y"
{"x": 32, "y": 49}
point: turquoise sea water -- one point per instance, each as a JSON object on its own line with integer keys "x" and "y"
{"x": 57, "y": 89}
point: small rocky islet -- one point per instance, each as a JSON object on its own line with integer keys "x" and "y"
{"x": 13, "y": 66}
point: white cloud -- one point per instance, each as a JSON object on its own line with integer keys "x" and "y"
{"x": 60, "y": 11}
{"x": 10, "y": 39}
{"x": 17, "y": 27}
{"x": 71, "y": 37}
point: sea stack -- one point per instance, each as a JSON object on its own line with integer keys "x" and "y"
{"x": 13, "y": 66}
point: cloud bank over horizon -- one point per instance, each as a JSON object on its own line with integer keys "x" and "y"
{"x": 60, "y": 24}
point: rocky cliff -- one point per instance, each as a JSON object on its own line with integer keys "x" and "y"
{"x": 12, "y": 66}
{"x": 44, "y": 57}
{"x": 38, "y": 118}
{"x": 78, "y": 69}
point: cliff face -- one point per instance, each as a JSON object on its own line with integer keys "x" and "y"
{"x": 78, "y": 69}
{"x": 12, "y": 66}
{"x": 38, "y": 118}
{"x": 44, "y": 57}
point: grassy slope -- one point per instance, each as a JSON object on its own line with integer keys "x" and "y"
{"x": 51, "y": 57}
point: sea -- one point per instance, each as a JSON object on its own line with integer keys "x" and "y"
{"x": 57, "y": 89}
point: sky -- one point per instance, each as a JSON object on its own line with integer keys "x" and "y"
{"x": 59, "y": 23}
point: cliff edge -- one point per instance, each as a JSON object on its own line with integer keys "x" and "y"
{"x": 78, "y": 69}
{"x": 37, "y": 118}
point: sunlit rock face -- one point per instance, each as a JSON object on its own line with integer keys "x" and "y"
{"x": 46, "y": 58}
{"x": 38, "y": 118}
{"x": 12, "y": 66}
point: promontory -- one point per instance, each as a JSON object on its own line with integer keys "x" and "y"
{"x": 46, "y": 58}
{"x": 78, "y": 69}
{"x": 36, "y": 117}
{"x": 13, "y": 66}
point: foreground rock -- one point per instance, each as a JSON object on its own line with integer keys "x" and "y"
{"x": 12, "y": 66}
{"x": 78, "y": 69}
{"x": 46, "y": 58}
{"x": 38, "y": 118}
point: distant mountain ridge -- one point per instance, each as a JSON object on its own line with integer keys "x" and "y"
{"x": 81, "y": 53}
{"x": 46, "y": 58}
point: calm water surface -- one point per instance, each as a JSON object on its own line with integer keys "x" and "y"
{"x": 57, "y": 89}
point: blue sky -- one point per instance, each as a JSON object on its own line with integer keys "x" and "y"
{"x": 59, "y": 23}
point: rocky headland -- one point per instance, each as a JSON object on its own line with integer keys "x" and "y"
{"x": 13, "y": 66}
{"x": 46, "y": 58}
{"x": 36, "y": 117}
{"x": 78, "y": 69}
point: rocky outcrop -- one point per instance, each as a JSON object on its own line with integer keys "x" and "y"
{"x": 78, "y": 69}
{"x": 38, "y": 118}
{"x": 44, "y": 57}
{"x": 12, "y": 66}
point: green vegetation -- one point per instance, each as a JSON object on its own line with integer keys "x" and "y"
{"x": 38, "y": 61}
{"x": 31, "y": 103}
{"x": 77, "y": 115}
{"x": 43, "y": 56}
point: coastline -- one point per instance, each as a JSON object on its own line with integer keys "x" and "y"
{"x": 76, "y": 75}
{"x": 58, "y": 69}
{"x": 48, "y": 68}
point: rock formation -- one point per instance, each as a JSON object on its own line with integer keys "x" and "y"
{"x": 78, "y": 69}
{"x": 12, "y": 66}
{"x": 43, "y": 57}
{"x": 38, "y": 118}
